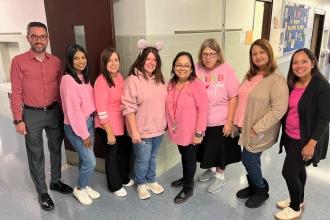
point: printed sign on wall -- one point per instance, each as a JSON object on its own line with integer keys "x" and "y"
{"x": 295, "y": 24}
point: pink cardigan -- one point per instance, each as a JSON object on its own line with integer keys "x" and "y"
{"x": 77, "y": 103}
{"x": 191, "y": 111}
{"x": 146, "y": 99}
{"x": 107, "y": 102}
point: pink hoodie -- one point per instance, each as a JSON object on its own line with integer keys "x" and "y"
{"x": 146, "y": 99}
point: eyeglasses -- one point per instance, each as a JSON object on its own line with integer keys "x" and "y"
{"x": 41, "y": 37}
{"x": 211, "y": 55}
{"x": 182, "y": 66}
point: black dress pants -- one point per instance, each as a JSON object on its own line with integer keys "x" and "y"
{"x": 117, "y": 160}
{"x": 294, "y": 172}
{"x": 188, "y": 159}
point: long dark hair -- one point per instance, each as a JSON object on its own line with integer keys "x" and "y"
{"x": 105, "y": 56}
{"x": 292, "y": 78}
{"x": 138, "y": 65}
{"x": 192, "y": 76}
{"x": 271, "y": 66}
{"x": 71, "y": 50}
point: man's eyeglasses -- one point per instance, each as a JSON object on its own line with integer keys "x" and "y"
{"x": 41, "y": 37}
{"x": 211, "y": 55}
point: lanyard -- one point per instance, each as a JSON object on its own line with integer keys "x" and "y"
{"x": 175, "y": 104}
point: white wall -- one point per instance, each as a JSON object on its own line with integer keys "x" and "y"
{"x": 167, "y": 16}
{"x": 239, "y": 14}
{"x": 129, "y": 17}
{"x": 16, "y": 14}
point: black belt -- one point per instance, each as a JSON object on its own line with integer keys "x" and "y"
{"x": 46, "y": 108}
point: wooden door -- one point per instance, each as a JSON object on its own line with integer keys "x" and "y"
{"x": 94, "y": 21}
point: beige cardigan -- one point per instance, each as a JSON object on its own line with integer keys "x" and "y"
{"x": 266, "y": 105}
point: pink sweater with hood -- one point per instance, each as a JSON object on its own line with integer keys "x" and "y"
{"x": 146, "y": 99}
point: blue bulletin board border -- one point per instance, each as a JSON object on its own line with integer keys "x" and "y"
{"x": 295, "y": 20}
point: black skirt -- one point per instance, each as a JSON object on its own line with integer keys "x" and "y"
{"x": 217, "y": 150}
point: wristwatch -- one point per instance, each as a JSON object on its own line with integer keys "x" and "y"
{"x": 198, "y": 134}
{"x": 16, "y": 122}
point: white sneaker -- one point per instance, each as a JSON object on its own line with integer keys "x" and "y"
{"x": 130, "y": 183}
{"x": 82, "y": 196}
{"x": 143, "y": 192}
{"x": 217, "y": 184}
{"x": 155, "y": 187}
{"x": 121, "y": 192}
{"x": 286, "y": 203}
{"x": 92, "y": 193}
{"x": 206, "y": 175}
{"x": 287, "y": 214}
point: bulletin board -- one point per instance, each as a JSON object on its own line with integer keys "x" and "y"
{"x": 295, "y": 21}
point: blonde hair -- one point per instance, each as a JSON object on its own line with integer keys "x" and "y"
{"x": 214, "y": 45}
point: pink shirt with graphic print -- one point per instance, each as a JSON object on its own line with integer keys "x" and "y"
{"x": 221, "y": 84}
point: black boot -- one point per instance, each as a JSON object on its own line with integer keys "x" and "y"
{"x": 259, "y": 197}
{"x": 246, "y": 192}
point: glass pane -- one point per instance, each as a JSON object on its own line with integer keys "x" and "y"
{"x": 79, "y": 34}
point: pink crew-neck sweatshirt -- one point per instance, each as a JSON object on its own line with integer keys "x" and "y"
{"x": 189, "y": 105}
{"x": 146, "y": 99}
{"x": 77, "y": 103}
{"x": 107, "y": 102}
{"x": 292, "y": 125}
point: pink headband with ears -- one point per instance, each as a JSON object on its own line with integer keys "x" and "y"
{"x": 142, "y": 44}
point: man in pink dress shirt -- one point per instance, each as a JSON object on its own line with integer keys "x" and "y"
{"x": 35, "y": 77}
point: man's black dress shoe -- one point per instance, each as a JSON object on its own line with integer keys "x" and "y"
{"x": 61, "y": 187}
{"x": 177, "y": 183}
{"x": 46, "y": 203}
{"x": 183, "y": 196}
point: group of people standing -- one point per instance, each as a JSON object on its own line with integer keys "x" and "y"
{"x": 204, "y": 109}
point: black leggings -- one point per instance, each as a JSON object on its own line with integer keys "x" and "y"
{"x": 188, "y": 159}
{"x": 294, "y": 172}
{"x": 117, "y": 160}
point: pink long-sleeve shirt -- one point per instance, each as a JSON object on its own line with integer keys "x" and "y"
{"x": 186, "y": 111}
{"x": 77, "y": 103}
{"x": 146, "y": 99}
{"x": 221, "y": 84}
{"x": 108, "y": 102}
{"x": 34, "y": 82}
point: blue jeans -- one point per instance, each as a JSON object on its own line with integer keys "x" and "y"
{"x": 252, "y": 164}
{"x": 145, "y": 159}
{"x": 87, "y": 161}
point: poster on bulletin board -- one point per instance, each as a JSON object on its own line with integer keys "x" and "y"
{"x": 295, "y": 24}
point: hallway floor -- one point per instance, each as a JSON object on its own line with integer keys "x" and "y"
{"x": 18, "y": 199}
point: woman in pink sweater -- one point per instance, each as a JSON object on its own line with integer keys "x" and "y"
{"x": 143, "y": 105}
{"x": 186, "y": 114}
{"x": 78, "y": 108}
{"x": 109, "y": 122}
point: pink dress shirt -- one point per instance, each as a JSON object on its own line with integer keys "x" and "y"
{"x": 292, "y": 125}
{"x": 77, "y": 103}
{"x": 186, "y": 111}
{"x": 34, "y": 82}
{"x": 107, "y": 102}
{"x": 221, "y": 84}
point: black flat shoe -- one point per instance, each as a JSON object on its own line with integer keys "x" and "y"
{"x": 177, "y": 183}
{"x": 61, "y": 187}
{"x": 46, "y": 203}
{"x": 182, "y": 197}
